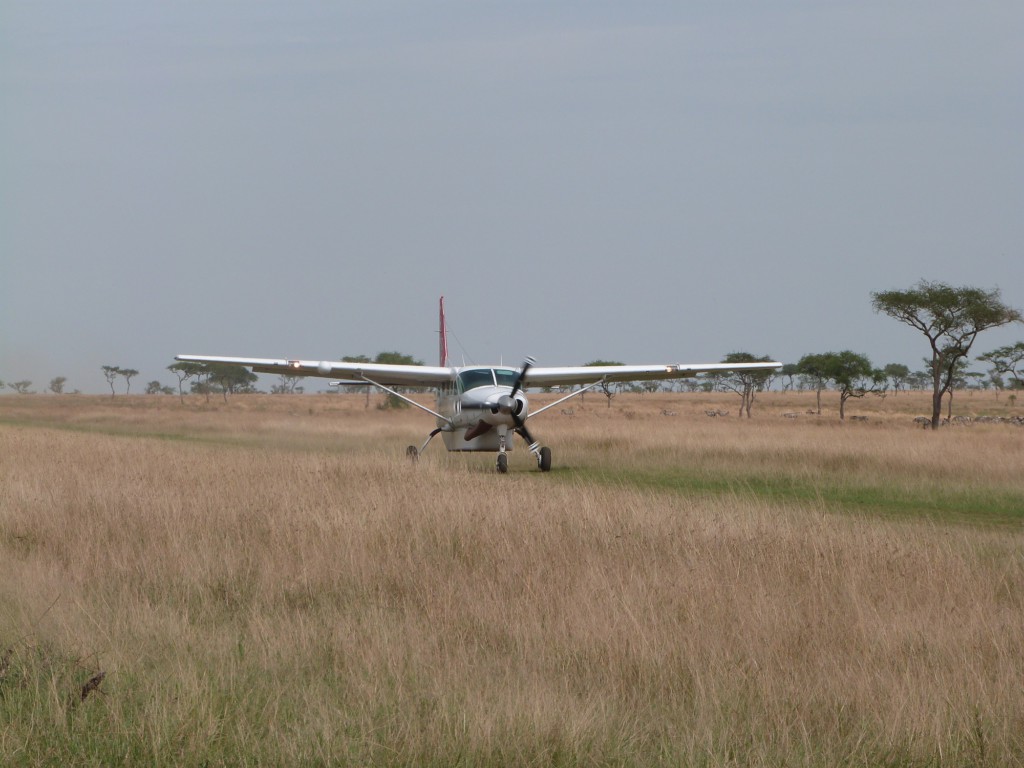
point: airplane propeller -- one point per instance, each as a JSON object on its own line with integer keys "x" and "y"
{"x": 518, "y": 420}
{"x": 527, "y": 364}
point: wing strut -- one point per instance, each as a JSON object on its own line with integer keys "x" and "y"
{"x": 399, "y": 395}
{"x": 571, "y": 395}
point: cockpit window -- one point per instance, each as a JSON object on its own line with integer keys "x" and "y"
{"x": 475, "y": 377}
{"x": 506, "y": 377}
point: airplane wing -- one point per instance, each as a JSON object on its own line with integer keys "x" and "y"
{"x": 586, "y": 374}
{"x": 389, "y": 375}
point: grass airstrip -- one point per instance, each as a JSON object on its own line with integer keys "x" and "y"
{"x": 270, "y": 581}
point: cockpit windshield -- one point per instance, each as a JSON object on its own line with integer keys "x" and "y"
{"x": 475, "y": 377}
{"x": 487, "y": 377}
{"x": 506, "y": 377}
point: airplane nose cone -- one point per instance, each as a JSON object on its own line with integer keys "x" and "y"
{"x": 509, "y": 404}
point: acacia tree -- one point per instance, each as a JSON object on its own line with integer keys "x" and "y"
{"x": 394, "y": 358}
{"x": 184, "y": 372}
{"x": 744, "y": 383}
{"x": 287, "y": 384}
{"x": 649, "y": 387}
{"x": 853, "y": 376}
{"x": 230, "y": 379}
{"x": 1008, "y": 360}
{"x": 128, "y": 374}
{"x": 850, "y": 372}
{"x": 110, "y": 373}
{"x": 919, "y": 380}
{"x": 21, "y": 387}
{"x": 202, "y": 386}
{"x": 951, "y": 319}
{"x": 57, "y": 385}
{"x": 812, "y": 368}
{"x": 789, "y": 372}
{"x": 897, "y": 374}
{"x": 606, "y": 387}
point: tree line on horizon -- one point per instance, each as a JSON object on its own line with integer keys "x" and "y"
{"x": 951, "y": 318}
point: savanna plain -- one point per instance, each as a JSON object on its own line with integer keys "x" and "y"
{"x": 269, "y": 581}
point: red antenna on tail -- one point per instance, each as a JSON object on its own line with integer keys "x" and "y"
{"x": 444, "y": 337}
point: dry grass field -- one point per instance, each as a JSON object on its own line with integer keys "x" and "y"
{"x": 270, "y": 582}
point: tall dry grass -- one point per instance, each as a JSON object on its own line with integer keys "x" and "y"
{"x": 263, "y": 584}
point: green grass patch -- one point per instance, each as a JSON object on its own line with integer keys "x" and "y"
{"x": 939, "y": 503}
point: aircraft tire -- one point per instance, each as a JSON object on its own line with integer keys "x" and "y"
{"x": 413, "y": 453}
{"x": 545, "y": 459}
{"x": 502, "y": 463}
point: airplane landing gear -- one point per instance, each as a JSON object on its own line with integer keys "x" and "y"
{"x": 543, "y": 453}
{"x": 413, "y": 453}
{"x": 502, "y": 462}
{"x": 544, "y": 459}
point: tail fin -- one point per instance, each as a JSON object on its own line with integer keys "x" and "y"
{"x": 443, "y": 337}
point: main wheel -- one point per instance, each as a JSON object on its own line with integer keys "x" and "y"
{"x": 413, "y": 453}
{"x": 503, "y": 463}
{"x": 544, "y": 462}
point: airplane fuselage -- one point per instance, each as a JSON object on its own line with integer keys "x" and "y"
{"x": 479, "y": 409}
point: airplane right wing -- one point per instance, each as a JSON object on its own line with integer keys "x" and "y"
{"x": 586, "y": 374}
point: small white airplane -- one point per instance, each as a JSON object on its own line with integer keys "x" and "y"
{"x": 478, "y": 406}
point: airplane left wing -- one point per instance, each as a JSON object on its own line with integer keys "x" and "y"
{"x": 389, "y": 375}
{"x": 586, "y": 374}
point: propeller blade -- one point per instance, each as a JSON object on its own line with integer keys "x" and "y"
{"x": 518, "y": 420}
{"x": 521, "y": 428}
{"x": 527, "y": 364}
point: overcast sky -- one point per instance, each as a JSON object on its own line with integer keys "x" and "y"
{"x": 644, "y": 182}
